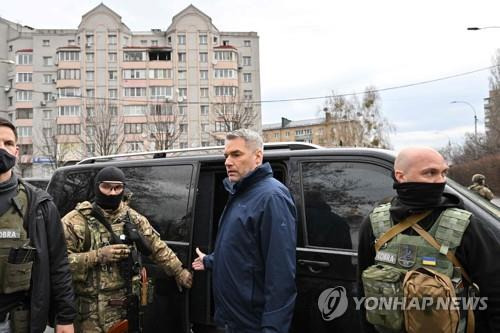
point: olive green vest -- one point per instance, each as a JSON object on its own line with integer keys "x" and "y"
{"x": 14, "y": 276}
{"x": 101, "y": 277}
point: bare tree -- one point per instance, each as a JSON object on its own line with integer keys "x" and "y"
{"x": 493, "y": 108}
{"x": 165, "y": 122}
{"x": 232, "y": 113}
{"x": 54, "y": 148}
{"x": 360, "y": 121}
{"x": 103, "y": 133}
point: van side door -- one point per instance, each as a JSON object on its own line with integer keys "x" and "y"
{"x": 333, "y": 196}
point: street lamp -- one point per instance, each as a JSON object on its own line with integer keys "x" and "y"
{"x": 7, "y": 61}
{"x": 482, "y": 28}
{"x": 473, "y": 110}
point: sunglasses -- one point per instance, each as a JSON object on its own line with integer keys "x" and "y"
{"x": 108, "y": 187}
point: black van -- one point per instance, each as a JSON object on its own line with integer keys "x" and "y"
{"x": 181, "y": 194}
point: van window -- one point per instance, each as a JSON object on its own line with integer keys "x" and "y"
{"x": 161, "y": 193}
{"x": 337, "y": 197}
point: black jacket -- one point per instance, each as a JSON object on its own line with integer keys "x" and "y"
{"x": 51, "y": 292}
{"x": 479, "y": 254}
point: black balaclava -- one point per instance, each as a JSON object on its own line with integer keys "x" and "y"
{"x": 7, "y": 161}
{"x": 109, "y": 174}
{"x": 420, "y": 195}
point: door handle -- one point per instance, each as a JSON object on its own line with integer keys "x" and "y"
{"x": 313, "y": 265}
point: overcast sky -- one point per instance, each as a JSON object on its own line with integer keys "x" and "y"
{"x": 309, "y": 48}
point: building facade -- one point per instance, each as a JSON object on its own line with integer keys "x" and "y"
{"x": 492, "y": 118}
{"x": 103, "y": 89}
{"x": 326, "y": 132}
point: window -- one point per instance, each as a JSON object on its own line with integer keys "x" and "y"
{"x": 247, "y": 43}
{"x": 204, "y": 110}
{"x": 337, "y": 197}
{"x": 247, "y": 61}
{"x": 25, "y": 59}
{"x": 135, "y": 146}
{"x": 47, "y": 61}
{"x": 203, "y": 39}
{"x": 90, "y": 75}
{"x": 90, "y": 40}
{"x": 113, "y": 110}
{"x": 134, "y": 110}
{"x": 203, "y": 74}
{"x": 160, "y": 110}
{"x": 90, "y": 112}
{"x": 203, "y": 92}
{"x": 112, "y": 39}
{"x": 225, "y": 42}
{"x": 225, "y": 91}
{"x": 24, "y": 131}
{"x": 182, "y": 110}
{"x": 203, "y": 57}
{"x": 134, "y": 92}
{"x": 182, "y": 92}
{"x": 47, "y": 78}
{"x": 46, "y": 96}
{"x": 26, "y": 149}
{"x": 47, "y": 114}
{"x": 215, "y": 39}
{"x": 154, "y": 42}
{"x": 112, "y": 57}
{"x": 69, "y": 110}
{"x": 224, "y": 126}
{"x": 181, "y": 39}
{"x": 160, "y": 92}
{"x": 169, "y": 39}
{"x": 204, "y": 128}
{"x": 24, "y": 114}
{"x": 10, "y": 101}
{"x": 134, "y": 56}
{"x": 305, "y": 131}
{"x": 276, "y": 135}
{"x": 24, "y": 95}
{"x": 182, "y": 56}
{"x": 134, "y": 74}
{"x": 71, "y": 42}
{"x": 68, "y": 92}
{"x": 205, "y": 144}
{"x": 90, "y": 93}
{"x": 91, "y": 148}
{"x": 160, "y": 73}
{"x": 181, "y": 74}
{"x": 68, "y": 74}
{"x": 247, "y": 77}
{"x": 144, "y": 42}
{"x": 89, "y": 57}
{"x": 183, "y": 128}
{"x": 46, "y": 42}
{"x": 113, "y": 93}
{"x": 125, "y": 41}
{"x": 224, "y": 55}
{"x": 68, "y": 129}
{"x": 69, "y": 55}
{"x": 24, "y": 77}
{"x": 247, "y": 95}
{"x": 113, "y": 75}
{"x": 225, "y": 73}
{"x": 133, "y": 128}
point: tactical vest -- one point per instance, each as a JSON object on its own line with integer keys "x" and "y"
{"x": 101, "y": 277}
{"x": 410, "y": 252}
{"x": 16, "y": 256}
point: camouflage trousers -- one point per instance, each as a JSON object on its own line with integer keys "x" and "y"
{"x": 96, "y": 315}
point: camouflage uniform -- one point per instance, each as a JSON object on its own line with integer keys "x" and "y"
{"x": 95, "y": 284}
{"x": 482, "y": 190}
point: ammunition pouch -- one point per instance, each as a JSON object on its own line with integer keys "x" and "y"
{"x": 15, "y": 268}
{"x": 17, "y": 320}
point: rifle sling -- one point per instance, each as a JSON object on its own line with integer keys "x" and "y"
{"x": 399, "y": 228}
{"x": 97, "y": 213}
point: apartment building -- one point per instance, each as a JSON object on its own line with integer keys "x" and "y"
{"x": 326, "y": 132}
{"x": 102, "y": 88}
{"x": 492, "y": 118}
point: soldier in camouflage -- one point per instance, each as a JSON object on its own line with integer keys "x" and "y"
{"x": 94, "y": 261}
{"x": 479, "y": 186}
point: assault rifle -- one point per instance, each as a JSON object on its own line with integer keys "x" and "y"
{"x": 132, "y": 272}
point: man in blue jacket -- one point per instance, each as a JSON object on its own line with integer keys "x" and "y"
{"x": 253, "y": 263}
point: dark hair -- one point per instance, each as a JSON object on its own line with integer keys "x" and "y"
{"x": 7, "y": 123}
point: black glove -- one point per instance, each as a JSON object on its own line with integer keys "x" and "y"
{"x": 134, "y": 236}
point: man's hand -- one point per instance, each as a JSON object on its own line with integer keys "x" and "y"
{"x": 198, "y": 262}
{"x": 184, "y": 279}
{"x": 112, "y": 253}
{"x": 65, "y": 328}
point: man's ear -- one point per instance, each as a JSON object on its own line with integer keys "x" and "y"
{"x": 259, "y": 156}
{"x": 399, "y": 176}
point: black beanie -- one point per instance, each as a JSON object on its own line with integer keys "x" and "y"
{"x": 110, "y": 174}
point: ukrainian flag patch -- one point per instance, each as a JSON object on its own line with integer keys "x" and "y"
{"x": 429, "y": 261}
